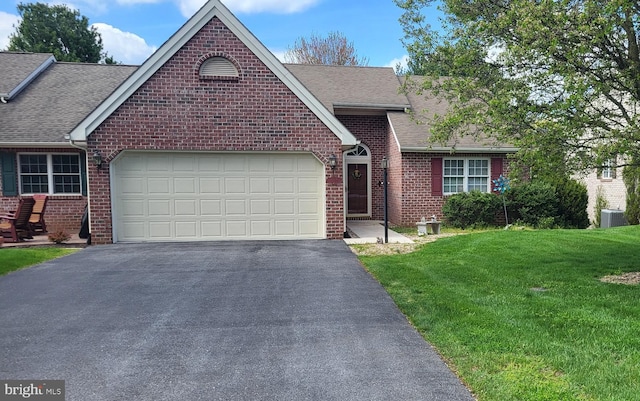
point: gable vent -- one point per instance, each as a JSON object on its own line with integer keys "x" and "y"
{"x": 218, "y": 67}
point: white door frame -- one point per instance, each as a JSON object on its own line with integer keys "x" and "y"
{"x": 361, "y": 154}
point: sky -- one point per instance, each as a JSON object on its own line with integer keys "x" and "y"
{"x": 132, "y": 30}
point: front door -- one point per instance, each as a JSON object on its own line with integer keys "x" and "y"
{"x": 358, "y": 199}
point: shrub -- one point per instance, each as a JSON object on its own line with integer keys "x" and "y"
{"x": 572, "y": 204}
{"x": 59, "y": 237}
{"x": 601, "y": 203}
{"x": 532, "y": 203}
{"x": 472, "y": 209}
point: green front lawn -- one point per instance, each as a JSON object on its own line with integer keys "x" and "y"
{"x": 16, "y": 258}
{"x": 522, "y": 315}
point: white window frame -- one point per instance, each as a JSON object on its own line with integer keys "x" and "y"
{"x": 607, "y": 170}
{"x": 50, "y": 174}
{"x": 466, "y": 175}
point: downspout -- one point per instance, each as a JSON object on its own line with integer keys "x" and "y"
{"x": 86, "y": 161}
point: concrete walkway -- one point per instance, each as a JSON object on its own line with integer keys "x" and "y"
{"x": 368, "y": 232}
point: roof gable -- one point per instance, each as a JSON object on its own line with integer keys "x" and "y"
{"x": 211, "y": 9}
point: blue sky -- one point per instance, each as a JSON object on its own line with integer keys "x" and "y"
{"x": 132, "y": 29}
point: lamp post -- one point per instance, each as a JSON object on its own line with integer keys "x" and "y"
{"x": 385, "y": 165}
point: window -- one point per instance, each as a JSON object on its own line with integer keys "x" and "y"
{"x": 464, "y": 175}
{"x": 607, "y": 171}
{"x": 50, "y": 174}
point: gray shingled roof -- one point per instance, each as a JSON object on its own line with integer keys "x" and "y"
{"x": 413, "y": 132}
{"x": 351, "y": 87}
{"x": 17, "y": 67}
{"x": 57, "y": 100}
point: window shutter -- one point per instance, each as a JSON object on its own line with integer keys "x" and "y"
{"x": 436, "y": 176}
{"x": 497, "y": 169}
{"x": 9, "y": 174}
{"x": 83, "y": 173}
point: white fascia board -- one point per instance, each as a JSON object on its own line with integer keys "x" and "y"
{"x": 213, "y": 8}
{"x": 393, "y": 130}
{"x": 60, "y": 145}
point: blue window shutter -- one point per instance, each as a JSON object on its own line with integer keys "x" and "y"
{"x": 83, "y": 172}
{"x": 9, "y": 174}
{"x": 436, "y": 176}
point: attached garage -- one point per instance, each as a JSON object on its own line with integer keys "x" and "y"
{"x": 180, "y": 196}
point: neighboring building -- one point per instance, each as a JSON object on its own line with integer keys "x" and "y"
{"x": 609, "y": 183}
{"x": 213, "y": 138}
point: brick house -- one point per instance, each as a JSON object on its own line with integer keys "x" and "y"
{"x": 213, "y": 138}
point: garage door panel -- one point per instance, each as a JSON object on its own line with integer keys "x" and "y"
{"x": 284, "y": 185}
{"x": 236, "y": 228}
{"x": 210, "y": 207}
{"x": 160, "y": 230}
{"x": 133, "y": 207}
{"x": 184, "y": 197}
{"x": 308, "y": 186}
{"x": 158, "y": 186}
{"x": 132, "y": 186}
{"x": 184, "y": 185}
{"x": 209, "y": 185}
{"x": 157, "y": 163}
{"x": 186, "y": 229}
{"x": 159, "y": 207}
{"x": 185, "y": 207}
{"x": 235, "y": 185}
{"x": 260, "y": 206}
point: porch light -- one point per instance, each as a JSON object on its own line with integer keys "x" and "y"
{"x": 97, "y": 158}
{"x": 333, "y": 161}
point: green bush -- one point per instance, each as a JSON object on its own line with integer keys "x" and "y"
{"x": 572, "y": 204}
{"x": 472, "y": 209}
{"x": 532, "y": 204}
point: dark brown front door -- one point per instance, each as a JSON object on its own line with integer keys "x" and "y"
{"x": 358, "y": 199}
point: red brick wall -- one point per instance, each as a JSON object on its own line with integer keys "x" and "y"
{"x": 175, "y": 110}
{"x": 371, "y": 131}
{"x": 417, "y": 201}
{"x": 63, "y": 212}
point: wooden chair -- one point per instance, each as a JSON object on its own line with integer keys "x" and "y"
{"x": 37, "y": 224}
{"x": 15, "y": 227}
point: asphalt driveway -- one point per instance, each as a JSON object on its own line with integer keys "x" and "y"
{"x": 296, "y": 320}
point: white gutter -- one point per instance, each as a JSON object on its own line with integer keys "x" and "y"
{"x": 450, "y": 149}
{"x": 34, "y": 144}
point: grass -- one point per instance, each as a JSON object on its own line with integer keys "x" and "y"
{"x": 12, "y": 259}
{"x": 522, "y": 315}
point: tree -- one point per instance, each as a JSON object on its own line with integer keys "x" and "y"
{"x": 58, "y": 30}
{"x": 335, "y": 49}
{"x": 559, "y": 79}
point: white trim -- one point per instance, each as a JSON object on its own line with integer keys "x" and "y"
{"x": 211, "y": 9}
{"x": 49, "y": 173}
{"x": 349, "y": 159}
{"x": 465, "y": 177}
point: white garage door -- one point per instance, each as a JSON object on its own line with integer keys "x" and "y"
{"x": 193, "y": 196}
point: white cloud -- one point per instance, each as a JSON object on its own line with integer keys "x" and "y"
{"x": 124, "y": 47}
{"x": 403, "y": 61}
{"x": 7, "y": 21}
{"x": 189, "y": 7}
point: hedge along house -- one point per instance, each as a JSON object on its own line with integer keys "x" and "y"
{"x": 213, "y": 138}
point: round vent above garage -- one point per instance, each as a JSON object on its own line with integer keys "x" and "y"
{"x": 218, "y": 68}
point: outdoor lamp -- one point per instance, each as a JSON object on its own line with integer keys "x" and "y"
{"x": 97, "y": 158}
{"x": 333, "y": 161}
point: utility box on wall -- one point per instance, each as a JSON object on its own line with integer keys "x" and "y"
{"x": 612, "y": 218}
